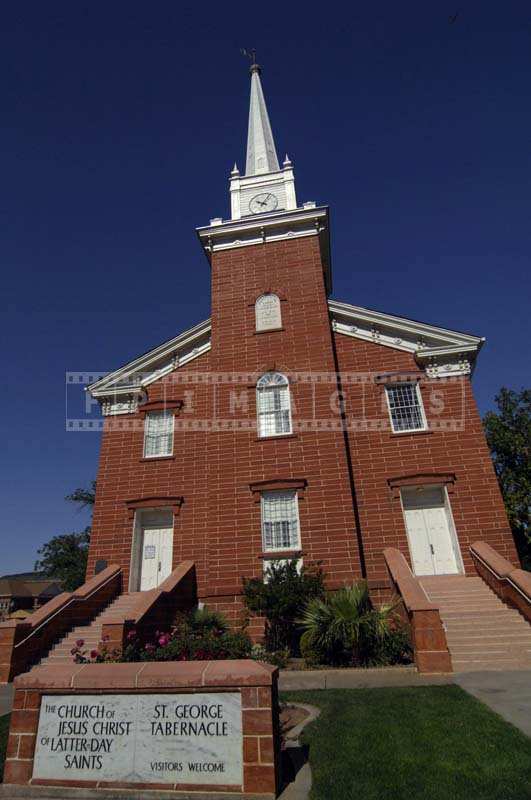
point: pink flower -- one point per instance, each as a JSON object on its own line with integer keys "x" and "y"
{"x": 149, "y": 647}
{"x": 93, "y": 653}
{"x": 80, "y": 642}
{"x": 164, "y": 639}
{"x": 131, "y": 635}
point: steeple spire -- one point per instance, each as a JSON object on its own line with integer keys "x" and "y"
{"x": 261, "y": 152}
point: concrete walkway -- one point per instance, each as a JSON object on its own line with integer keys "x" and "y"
{"x": 508, "y": 693}
{"x": 292, "y": 680}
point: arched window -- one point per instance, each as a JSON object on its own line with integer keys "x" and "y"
{"x": 267, "y": 312}
{"x": 273, "y": 405}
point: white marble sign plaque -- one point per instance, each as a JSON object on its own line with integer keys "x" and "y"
{"x": 267, "y": 311}
{"x": 141, "y": 738}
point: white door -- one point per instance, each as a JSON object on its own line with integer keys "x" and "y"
{"x": 156, "y": 560}
{"x": 429, "y": 524}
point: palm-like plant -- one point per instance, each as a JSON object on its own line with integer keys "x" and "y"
{"x": 345, "y": 628}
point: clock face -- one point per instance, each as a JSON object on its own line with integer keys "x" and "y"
{"x": 261, "y": 203}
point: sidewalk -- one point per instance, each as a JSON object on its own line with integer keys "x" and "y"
{"x": 508, "y": 693}
{"x": 292, "y": 680}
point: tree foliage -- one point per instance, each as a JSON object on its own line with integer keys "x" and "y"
{"x": 281, "y": 598}
{"x": 84, "y": 496}
{"x": 508, "y": 433}
{"x": 64, "y": 557}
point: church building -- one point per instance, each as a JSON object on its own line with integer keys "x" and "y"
{"x": 290, "y": 424}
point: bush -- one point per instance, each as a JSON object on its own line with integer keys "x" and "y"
{"x": 200, "y": 635}
{"x": 278, "y": 658}
{"x": 281, "y": 597}
{"x": 344, "y": 629}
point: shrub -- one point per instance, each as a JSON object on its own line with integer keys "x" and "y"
{"x": 345, "y": 629}
{"x": 278, "y": 658}
{"x": 199, "y": 635}
{"x": 281, "y": 597}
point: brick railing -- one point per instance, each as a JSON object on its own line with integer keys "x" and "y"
{"x": 428, "y": 638}
{"x": 512, "y": 585}
{"x": 23, "y": 642}
{"x": 156, "y": 609}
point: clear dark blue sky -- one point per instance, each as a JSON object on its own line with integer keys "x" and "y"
{"x": 120, "y": 123}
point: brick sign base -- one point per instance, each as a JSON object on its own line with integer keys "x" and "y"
{"x": 207, "y": 727}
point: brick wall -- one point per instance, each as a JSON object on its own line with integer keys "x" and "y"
{"x": 124, "y": 474}
{"x": 292, "y": 269}
{"x": 380, "y": 455}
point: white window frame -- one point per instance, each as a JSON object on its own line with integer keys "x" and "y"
{"x": 294, "y": 545}
{"x": 150, "y": 415}
{"x": 270, "y": 382}
{"x": 415, "y": 384}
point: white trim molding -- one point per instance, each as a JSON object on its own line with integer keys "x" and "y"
{"x": 121, "y": 391}
{"x": 442, "y": 353}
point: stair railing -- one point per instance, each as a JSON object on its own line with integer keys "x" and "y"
{"x": 22, "y": 643}
{"x": 512, "y": 585}
{"x": 156, "y": 609}
{"x": 428, "y": 637}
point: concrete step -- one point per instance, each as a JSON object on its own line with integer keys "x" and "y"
{"x": 488, "y": 639}
{"x": 487, "y": 666}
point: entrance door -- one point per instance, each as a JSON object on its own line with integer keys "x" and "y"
{"x": 156, "y": 559}
{"x": 432, "y": 542}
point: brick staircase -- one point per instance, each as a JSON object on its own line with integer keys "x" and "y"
{"x": 482, "y": 632}
{"x": 91, "y": 633}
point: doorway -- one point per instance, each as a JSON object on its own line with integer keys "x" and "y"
{"x": 431, "y": 532}
{"x": 152, "y": 550}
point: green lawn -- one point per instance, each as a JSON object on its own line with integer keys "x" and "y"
{"x": 429, "y": 743}
{"x": 4, "y": 730}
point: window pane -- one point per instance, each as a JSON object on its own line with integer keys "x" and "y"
{"x": 158, "y": 433}
{"x": 280, "y": 520}
{"x": 274, "y": 416}
{"x": 404, "y": 405}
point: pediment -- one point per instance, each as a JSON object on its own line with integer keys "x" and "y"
{"x": 120, "y": 390}
{"x": 442, "y": 352}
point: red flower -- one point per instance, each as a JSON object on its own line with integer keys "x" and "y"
{"x": 93, "y": 653}
{"x": 73, "y": 651}
{"x": 80, "y": 642}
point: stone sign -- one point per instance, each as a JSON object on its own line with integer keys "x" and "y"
{"x": 142, "y": 738}
{"x": 267, "y": 311}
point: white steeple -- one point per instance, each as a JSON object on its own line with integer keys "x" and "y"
{"x": 261, "y": 152}
{"x": 266, "y": 187}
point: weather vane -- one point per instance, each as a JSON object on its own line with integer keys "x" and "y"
{"x": 251, "y": 55}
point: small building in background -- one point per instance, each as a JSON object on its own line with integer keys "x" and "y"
{"x": 25, "y": 592}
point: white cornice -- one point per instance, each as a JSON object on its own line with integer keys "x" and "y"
{"x": 157, "y": 362}
{"x": 441, "y": 352}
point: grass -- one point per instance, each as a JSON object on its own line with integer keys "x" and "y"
{"x": 428, "y": 743}
{"x": 4, "y": 730}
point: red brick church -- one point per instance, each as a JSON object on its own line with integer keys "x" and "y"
{"x": 291, "y": 425}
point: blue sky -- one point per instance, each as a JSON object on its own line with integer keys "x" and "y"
{"x": 120, "y": 123}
